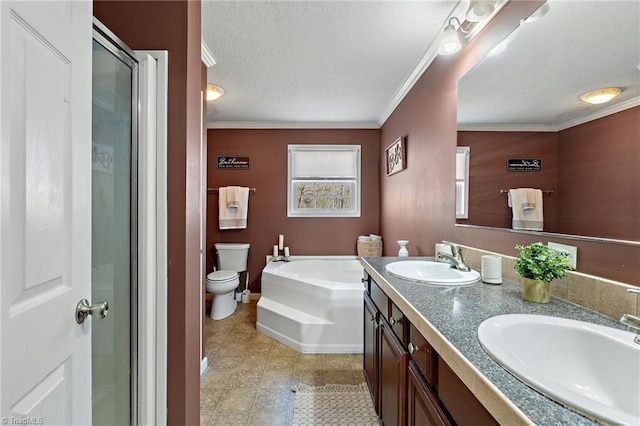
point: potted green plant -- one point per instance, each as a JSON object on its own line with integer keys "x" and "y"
{"x": 539, "y": 265}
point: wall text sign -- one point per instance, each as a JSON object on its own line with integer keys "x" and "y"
{"x": 524, "y": 164}
{"x": 232, "y": 162}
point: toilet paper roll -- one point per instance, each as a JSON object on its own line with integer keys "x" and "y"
{"x": 442, "y": 248}
{"x": 492, "y": 269}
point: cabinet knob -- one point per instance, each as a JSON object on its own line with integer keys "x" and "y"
{"x": 413, "y": 348}
{"x": 371, "y": 317}
{"x": 392, "y": 320}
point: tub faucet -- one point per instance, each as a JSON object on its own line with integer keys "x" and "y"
{"x": 632, "y": 321}
{"x": 455, "y": 258}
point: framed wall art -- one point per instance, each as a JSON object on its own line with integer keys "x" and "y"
{"x": 396, "y": 156}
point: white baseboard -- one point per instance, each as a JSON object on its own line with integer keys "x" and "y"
{"x": 203, "y": 365}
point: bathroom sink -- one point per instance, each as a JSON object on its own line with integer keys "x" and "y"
{"x": 429, "y": 272}
{"x": 590, "y": 368}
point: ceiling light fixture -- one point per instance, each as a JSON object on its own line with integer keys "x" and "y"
{"x": 600, "y": 96}
{"x": 450, "y": 42}
{"x": 214, "y": 92}
{"x": 476, "y": 17}
{"x": 479, "y": 10}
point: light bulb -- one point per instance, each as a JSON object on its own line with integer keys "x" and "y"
{"x": 214, "y": 92}
{"x": 600, "y": 96}
{"x": 450, "y": 42}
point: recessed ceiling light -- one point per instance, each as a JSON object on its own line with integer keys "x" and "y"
{"x": 600, "y": 96}
{"x": 214, "y": 92}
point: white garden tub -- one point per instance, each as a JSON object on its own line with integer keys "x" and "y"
{"x": 313, "y": 304}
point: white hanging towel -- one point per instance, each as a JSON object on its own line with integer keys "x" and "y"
{"x": 526, "y": 207}
{"x": 234, "y": 217}
{"x": 233, "y": 196}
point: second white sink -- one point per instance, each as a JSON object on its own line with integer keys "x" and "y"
{"x": 591, "y": 368}
{"x": 429, "y": 272}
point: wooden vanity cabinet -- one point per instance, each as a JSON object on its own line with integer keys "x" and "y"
{"x": 423, "y": 407}
{"x": 392, "y": 377}
{"x": 410, "y": 384}
{"x": 370, "y": 351}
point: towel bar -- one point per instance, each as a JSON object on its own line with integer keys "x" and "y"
{"x": 544, "y": 191}
{"x": 215, "y": 190}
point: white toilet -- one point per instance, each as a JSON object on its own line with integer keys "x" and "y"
{"x": 232, "y": 259}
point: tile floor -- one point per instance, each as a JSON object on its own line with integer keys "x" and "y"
{"x": 249, "y": 378}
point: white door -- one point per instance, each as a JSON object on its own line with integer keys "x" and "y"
{"x": 45, "y": 211}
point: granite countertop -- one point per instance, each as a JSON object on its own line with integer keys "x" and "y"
{"x": 449, "y": 318}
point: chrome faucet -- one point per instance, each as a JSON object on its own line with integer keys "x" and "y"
{"x": 455, "y": 258}
{"x": 632, "y": 321}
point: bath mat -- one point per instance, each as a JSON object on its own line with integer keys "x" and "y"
{"x": 333, "y": 405}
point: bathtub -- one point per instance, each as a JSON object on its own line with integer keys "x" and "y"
{"x": 313, "y": 304}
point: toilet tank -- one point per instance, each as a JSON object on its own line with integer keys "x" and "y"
{"x": 232, "y": 256}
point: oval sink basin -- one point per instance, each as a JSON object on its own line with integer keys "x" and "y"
{"x": 425, "y": 271}
{"x": 591, "y": 368}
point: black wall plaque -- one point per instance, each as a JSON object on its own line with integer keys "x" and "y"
{"x": 524, "y": 164}
{"x": 232, "y": 162}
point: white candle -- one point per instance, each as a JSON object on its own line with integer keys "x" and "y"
{"x": 280, "y": 241}
{"x": 286, "y": 252}
{"x": 275, "y": 251}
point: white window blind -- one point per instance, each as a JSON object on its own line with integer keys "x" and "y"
{"x": 323, "y": 180}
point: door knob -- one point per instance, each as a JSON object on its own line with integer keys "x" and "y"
{"x": 83, "y": 308}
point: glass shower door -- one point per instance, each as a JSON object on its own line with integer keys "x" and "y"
{"x": 113, "y": 232}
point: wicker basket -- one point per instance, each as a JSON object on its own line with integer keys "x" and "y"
{"x": 370, "y": 248}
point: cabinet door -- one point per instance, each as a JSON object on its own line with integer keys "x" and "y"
{"x": 392, "y": 377}
{"x": 423, "y": 408}
{"x": 370, "y": 353}
{"x": 461, "y": 403}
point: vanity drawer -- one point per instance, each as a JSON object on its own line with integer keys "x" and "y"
{"x": 422, "y": 355}
{"x": 397, "y": 322}
{"x": 379, "y": 299}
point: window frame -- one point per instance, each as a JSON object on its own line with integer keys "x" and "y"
{"x": 293, "y": 211}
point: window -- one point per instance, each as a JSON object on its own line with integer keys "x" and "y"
{"x": 323, "y": 181}
{"x": 462, "y": 182}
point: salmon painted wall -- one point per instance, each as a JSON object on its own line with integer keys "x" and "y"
{"x": 175, "y": 26}
{"x": 418, "y": 203}
{"x": 600, "y": 179}
{"x": 267, "y": 218}
{"x": 488, "y": 174}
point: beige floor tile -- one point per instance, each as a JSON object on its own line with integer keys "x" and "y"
{"x": 216, "y": 378}
{"x": 269, "y": 418}
{"x": 205, "y": 416}
{"x": 250, "y": 375}
{"x": 229, "y": 419}
{"x": 238, "y": 400}
{"x": 277, "y": 378}
{"x": 339, "y": 377}
{"x": 246, "y": 379}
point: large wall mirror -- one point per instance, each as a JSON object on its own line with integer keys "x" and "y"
{"x": 522, "y": 102}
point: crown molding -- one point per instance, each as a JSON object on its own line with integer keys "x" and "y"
{"x": 425, "y": 62}
{"x": 205, "y": 55}
{"x": 628, "y": 104}
{"x": 292, "y": 125}
{"x": 619, "y": 107}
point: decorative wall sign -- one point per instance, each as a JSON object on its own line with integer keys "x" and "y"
{"x": 524, "y": 164}
{"x": 396, "y": 157}
{"x": 233, "y": 162}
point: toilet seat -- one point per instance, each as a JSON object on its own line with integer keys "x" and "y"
{"x": 219, "y": 277}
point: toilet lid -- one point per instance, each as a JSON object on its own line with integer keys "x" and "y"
{"x": 220, "y": 276}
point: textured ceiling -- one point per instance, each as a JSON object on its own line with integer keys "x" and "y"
{"x": 345, "y": 63}
{"x": 536, "y": 83}
{"x": 330, "y": 63}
